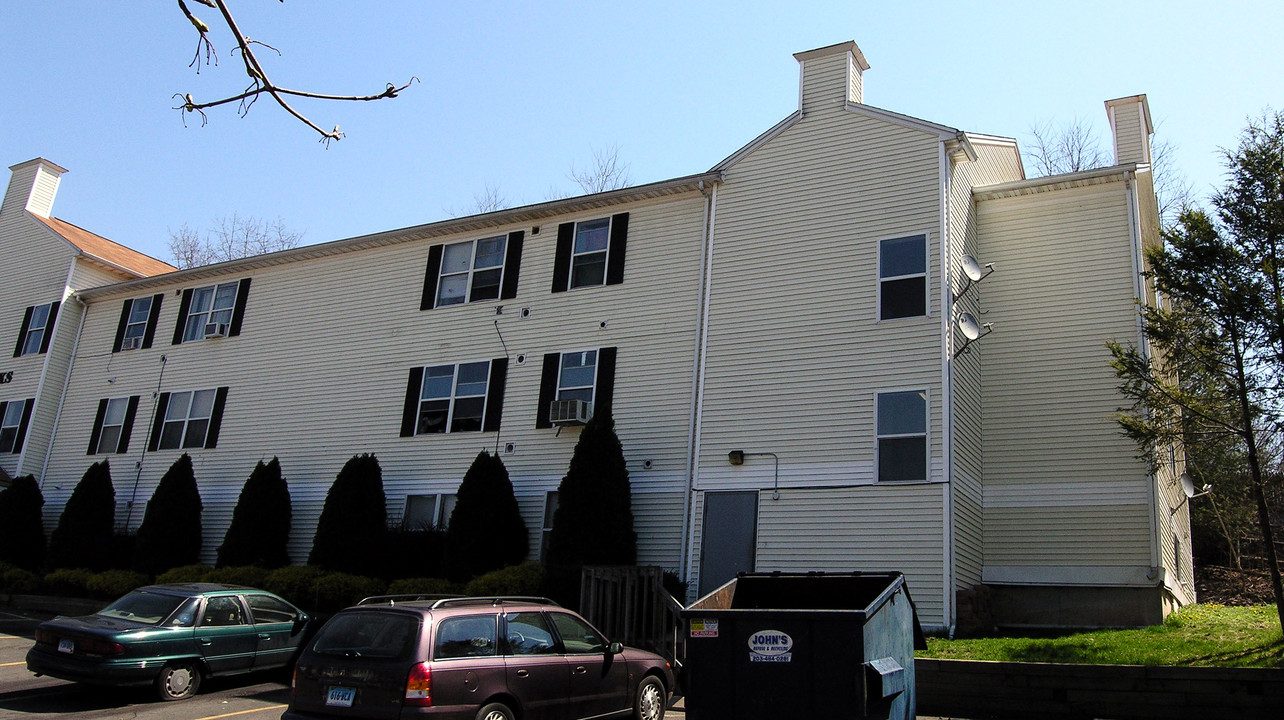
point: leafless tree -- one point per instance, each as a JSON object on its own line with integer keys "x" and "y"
{"x": 232, "y": 237}
{"x": 259, "y": 81}
{"x": 488, "y": 200}
{"x": 608, "y": 172}
{"x": 1075, "y": 147}
{"x": 1071, "y": 148}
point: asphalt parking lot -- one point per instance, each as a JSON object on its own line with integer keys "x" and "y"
{"x": 23, "y": 695}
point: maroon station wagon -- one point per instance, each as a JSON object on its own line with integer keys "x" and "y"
{"x": 473, "y": 659}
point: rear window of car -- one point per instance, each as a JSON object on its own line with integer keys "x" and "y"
{"x": 267, "y": 609}
{"x": 143, "y": 607}
{"x": 382, "y": 635}
{"x": 466, "y": 636}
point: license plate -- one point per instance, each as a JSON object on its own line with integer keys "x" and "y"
{"x": 340, "y": 697}
{"x": 66, "y": 646}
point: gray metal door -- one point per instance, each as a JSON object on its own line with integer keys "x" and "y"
{"x": 729, "y": 537}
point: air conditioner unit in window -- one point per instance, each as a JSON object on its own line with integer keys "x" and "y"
{"x": 569, "y": 412}
{"x": 213, "y": 330}
{"x": 131, "y": 343}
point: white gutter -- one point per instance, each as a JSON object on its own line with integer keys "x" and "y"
{"x": 1139, "y": 290}
{"x": 62, "y": 397}
{"x": 688, "y": 531}
{"x": 44, "y": 369}
{"x": 697, "y": 378}
{"x": 947, "y": 394}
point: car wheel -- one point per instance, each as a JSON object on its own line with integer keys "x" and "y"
{"x": 649, "y": 704}
{"x": 178, "y": 681}
{"x": 495, "y": 711}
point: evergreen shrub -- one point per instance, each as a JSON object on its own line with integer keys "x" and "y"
{"x": 260, "y": 529}
{"x": 353, "y": 526}
{"x": 83, "y": 537}
{"x": 486, "y": 531}
{"x": 22, "y": 530}
{"x": 170, "y": 535}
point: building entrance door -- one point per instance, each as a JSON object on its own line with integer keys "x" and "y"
{"x": 729, "y": 537}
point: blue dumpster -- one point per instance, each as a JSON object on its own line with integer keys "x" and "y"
{"x": 802, "y": 645}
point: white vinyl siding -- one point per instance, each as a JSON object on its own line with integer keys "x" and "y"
{"x": 1062, "y": 484}
{"x": 314, "y": 402}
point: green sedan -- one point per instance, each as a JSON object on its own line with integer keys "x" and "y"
{"x": 172, "y": 636}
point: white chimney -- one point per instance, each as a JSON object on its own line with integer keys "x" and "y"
{"x": 32, "y": 187}
{"x": 1131, "y": 127}
{"x": 830, "y": 76}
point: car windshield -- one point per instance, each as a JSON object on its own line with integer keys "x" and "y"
{"x": 143, "y": 607}
{"x": 368, "y": 634}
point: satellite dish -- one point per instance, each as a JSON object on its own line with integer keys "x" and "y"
{"x": 972, "y": 268}
{"x": 1187, "y": 485}
{"x": 968, "y": 325}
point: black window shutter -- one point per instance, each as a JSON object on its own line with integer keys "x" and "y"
{"x": 153, "y": 318}
{"x": 127, "y": 428}
{"x": 547, "y": 388}
{"x": 562, "y": 260}
{"x": 431, "y": 273}
{"x": 619, "y": 240}
{"x": 183, "y": 306}
{"x": 22, "y": 426}
{"x": 98, "y": 424}
{"x": 125, "y": 309}
{"x": 604, "y": 388}
{"x": 49, "y": 326}
{"x": 495, "y": 394}
{"x": 512, "y": 264}
{"x": 216, "y": 417}
{"x": 238, "y": 311}
{"x": 410, "y": 410}
{"x": 158, "y": 422}
{"x": 22, "y": 334}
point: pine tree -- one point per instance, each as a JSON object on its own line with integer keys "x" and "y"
{"x": 83, "y": 537}
{"x": 260, "y": 529}
{"x": 22, "y": 531}
{"x": 486, "y": 531}
{"x": 353, "y": 527}
{"x": 170, "y": 535}
{"x": 593, "y": 524}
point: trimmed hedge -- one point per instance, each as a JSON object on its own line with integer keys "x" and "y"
{"x": 486, "y": 531}
{"x": 260, "y": 528}
{"x": 68, "y": 582}
{"x": 22, "y": 531}
{"x": 111, "y": 584}
{"x": 83, "y": 537}
{"x": 524, "y": 579}
{"x": 423, "y": 586}
{"x": 170, "y": 535}
{"x": 17, "y": 581}
{"x": 184, "y": 574}
{"x": 353, "y": 525}
{"x": 244, "y": 575}
{"x": 336, "y": 591}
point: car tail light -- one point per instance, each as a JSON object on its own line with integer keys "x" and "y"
{"x": 104, "y": 647}
{"x": 419, "y": 686}
{"x": 44, "y": 637}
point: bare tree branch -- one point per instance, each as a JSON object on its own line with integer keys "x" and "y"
{"x": 232, "y": 237}
{"x": 1071, "y": 148}
{"x": 260, "y": 83}
{"x": 608, "y": 172}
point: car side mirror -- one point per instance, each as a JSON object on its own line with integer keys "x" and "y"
{"x": 615, "y": 648}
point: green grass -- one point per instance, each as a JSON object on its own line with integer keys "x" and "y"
{"x": 1208, "y": 635}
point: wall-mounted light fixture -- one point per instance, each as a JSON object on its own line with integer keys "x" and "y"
{"x": 737, "y": 457}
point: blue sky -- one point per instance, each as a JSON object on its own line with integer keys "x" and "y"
{"x": 512, "y": 94}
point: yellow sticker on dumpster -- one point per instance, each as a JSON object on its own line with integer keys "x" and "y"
{"x": 704, "y": 627}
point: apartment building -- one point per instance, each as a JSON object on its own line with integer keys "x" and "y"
{"x": 805, "y": 371}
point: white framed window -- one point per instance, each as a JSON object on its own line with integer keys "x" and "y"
{"x": 35, "y": 329}
{"x": 577, "y": 376}
{"x": 113, "y": 426}
{"x": 212, "y": 304}
{"x": 11, "y": 426}
{"x": 140, "y": 311}
{"x": 427, "y": 512}
{"x": 589, "y": 253}
{"x": 550, "y": 510}
{"x": 902, "y": 435}
{"x": 471, "y": 271}
{"x": 187, "y": 419}
{"x": 452, "y": 398}
{"x": 902, "y": 277}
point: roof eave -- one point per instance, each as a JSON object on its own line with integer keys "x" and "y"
{"x": 539, "y": 211}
